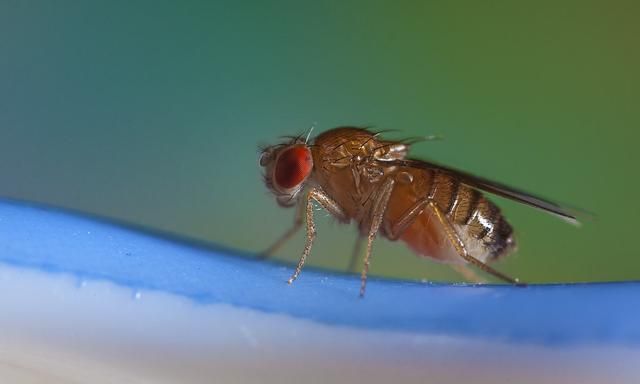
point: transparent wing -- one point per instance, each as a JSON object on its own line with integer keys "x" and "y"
{"x": 499, "y": 189}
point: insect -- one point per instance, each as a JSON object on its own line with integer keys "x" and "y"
{"x": 438, "y": 211}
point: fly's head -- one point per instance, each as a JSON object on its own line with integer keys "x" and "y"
{"x": 286, "y": 169}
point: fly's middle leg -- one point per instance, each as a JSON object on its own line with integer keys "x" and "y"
{"x": 377, "y": 214}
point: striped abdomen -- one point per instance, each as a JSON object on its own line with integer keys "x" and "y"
{"x": 485, "y": 232}
{"x": 478, "y": 222}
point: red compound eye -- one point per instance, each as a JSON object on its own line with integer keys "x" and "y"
{"x": 293, "y": 166}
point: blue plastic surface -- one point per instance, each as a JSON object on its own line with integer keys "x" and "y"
{"x": 56, "y": 241}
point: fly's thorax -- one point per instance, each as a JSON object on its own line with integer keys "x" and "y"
{"x": 346, "y": 146}
{"x": 351, "y": 163}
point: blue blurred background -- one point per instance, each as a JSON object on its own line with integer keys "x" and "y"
{"x": 151, "y": 112}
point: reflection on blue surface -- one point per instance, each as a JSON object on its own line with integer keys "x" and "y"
{"x": 55, "y": 241}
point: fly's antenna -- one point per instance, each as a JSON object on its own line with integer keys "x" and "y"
{"x": 313, "y": 125}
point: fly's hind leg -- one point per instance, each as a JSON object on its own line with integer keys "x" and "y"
{"x": 393, "y": 232}
{"x": 327, "y": 203}
{"x": 407, "y": 218}
{"x": 461, "y": 249}
{"x": 467, "y": 273}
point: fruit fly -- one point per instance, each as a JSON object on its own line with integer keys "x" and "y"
{"x": 438, "y": 211}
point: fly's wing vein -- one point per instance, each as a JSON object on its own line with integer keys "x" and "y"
{"x": 499, "y": 189}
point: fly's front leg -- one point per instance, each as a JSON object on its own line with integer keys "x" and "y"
{"x": 461, "y": 249}
{"x": 297, "y": 223}
{"x": 377, "y": 214}
{"x": 355, "y": 253}
{"x": 327, "y": 203}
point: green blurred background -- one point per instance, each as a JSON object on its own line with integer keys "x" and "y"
{"x": 151, "y": 112}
